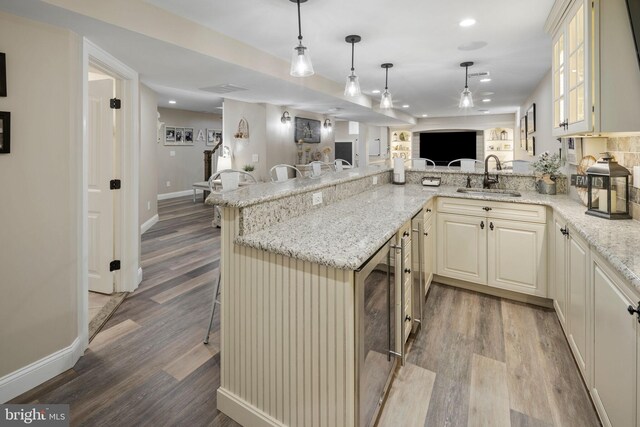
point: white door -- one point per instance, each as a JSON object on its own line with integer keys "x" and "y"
{"x": 462, "y": 247}
{"x": 100, "y": 127}
{"x": 616, "y": 336}
{"x": 517, "y": 259}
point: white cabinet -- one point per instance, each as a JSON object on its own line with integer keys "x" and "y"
{"x": 430, "y": 252}
{"x": 423, "y": 223}
{"x": 403, "y": 284}
{"x": 517, "y": 256}
{"x": 499, "y": 244}
{"x": 617, "y": 336}
{"x": 594, "y": 68}
{"x": 572, "y": 291}
{"x": 462, "y": 247}
{"x": 571, "y": 72}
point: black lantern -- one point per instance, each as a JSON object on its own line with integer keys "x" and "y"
{"x": 608, "y": 189}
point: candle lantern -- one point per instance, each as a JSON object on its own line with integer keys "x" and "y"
{"x": 608, "y": 189}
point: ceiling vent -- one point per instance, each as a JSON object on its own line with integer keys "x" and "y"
{"x": 222, "y": 89}
{"x": 481, "y": 74}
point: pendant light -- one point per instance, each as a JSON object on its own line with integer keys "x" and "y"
{"x": 300, "y": 61}
{"x": 466, "y": 99}
{"x": 385, "y": 101}
{"x": 352, "y": 87}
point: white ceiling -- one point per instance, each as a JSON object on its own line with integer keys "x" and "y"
{"x": 421, "y": 37}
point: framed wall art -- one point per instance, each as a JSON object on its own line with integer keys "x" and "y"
{"x": 531, "y": 119}
{"x": 188, "y": 136}
{"x": 169, "y": 135}
{"x": 5, "y": 132}
{"x": 307, "y": 130}
{"x": 3, "y": 74}
{"x": 523, "y": 132}
{"x": 214, "y": 136}
{"x": 531, "y": 145}
{"x": 179, "y": 135}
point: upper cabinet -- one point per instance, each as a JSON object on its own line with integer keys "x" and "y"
{"x": 595, "y": 73}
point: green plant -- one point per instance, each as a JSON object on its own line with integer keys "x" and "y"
{"x": 547, "y": 164}
{"x": 248, "y": 168}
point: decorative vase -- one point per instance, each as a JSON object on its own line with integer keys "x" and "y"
{"x": 546, "y": 185}
{"x": 300, "y": 154}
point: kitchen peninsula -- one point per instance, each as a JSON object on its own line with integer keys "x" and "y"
{"x": 299, "y": 345}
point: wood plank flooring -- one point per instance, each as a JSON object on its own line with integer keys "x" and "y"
{"x": 478, "y": 361}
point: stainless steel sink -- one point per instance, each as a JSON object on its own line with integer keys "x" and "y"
{"x": 489, "y": 192}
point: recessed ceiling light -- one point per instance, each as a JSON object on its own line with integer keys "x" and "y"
{"x": 486, "y": 100}
{"x": 405, "y": 106}
{"x": 485, "y": 80}
{"x": 424, "y": 115}
{"x": 487, "y": 112}
{"x": 375, "y": 91}
{"x": 468, "y": 22}
{"x": 172, "y": 102}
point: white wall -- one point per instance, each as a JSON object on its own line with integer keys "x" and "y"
{"x": 186, "y": 166}
{"x": 545, "y": 141}
{"x": 148, "y": 195}
{"x": 39, "y": 192}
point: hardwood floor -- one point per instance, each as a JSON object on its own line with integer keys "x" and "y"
{"x": 148, "y": 365}
{"x": 478, "y": 361}
{"x": 495, "y": 363}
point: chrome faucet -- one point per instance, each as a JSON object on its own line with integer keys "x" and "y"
{"x": 486, "y": 183}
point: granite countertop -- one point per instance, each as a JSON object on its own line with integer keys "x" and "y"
{"x": 267, "y": 191}
{"x": 345, "y": 234}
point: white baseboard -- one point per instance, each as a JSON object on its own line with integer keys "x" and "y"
{"x": 30, "y": 376}
{"x": 242, "y": 412}
{"x": 183, "y": 193}
{"x": 149, "y": 223}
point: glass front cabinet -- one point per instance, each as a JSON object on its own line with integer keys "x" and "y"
{"x": 571, "y": 72}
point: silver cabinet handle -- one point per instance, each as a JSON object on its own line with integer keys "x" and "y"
{"x": 402, "y": 299}
{"x": 420, "y": 232}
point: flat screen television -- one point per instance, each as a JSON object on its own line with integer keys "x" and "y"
{"x": 443, "y": 147}
{"x": 633, "y": 6}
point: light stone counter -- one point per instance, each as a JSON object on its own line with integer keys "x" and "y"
{"x": 345, "y": 234}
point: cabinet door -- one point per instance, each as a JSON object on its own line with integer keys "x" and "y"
{"x": 558, "y": 258}
{"x": 462, "y": 247}
{"x": 429, "y": 253}
{"x": 403, "y": 286}
{"x": 615, "y": 356}
{"x": 578, "y": 68}
{"x": 579, "y": 301}
{"x": 558, "y": 76}
{"x": 517, "y": 260}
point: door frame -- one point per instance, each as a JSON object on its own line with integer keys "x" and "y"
{"x": 126, "y": 227}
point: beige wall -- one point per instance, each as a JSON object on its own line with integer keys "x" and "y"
{"x": 626, "y": 150}
{"x": 148, "y": 196}
{"x": 545, "y": 141}
{"x": 39, "y": 189}
{"x": 187, "y": 165}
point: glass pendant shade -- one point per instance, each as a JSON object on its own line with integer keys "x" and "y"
{"x": 466, "y": 99}
{"x": 352, "y": 87}
{"x": 301, "y": 62}
{"x": 386, "y": 101}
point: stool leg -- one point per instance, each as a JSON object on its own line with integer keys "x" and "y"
{"x": 213, "y": 307}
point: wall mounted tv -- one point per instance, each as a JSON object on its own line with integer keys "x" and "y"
{"x": 443, "y": 147}
{"x": 633, "y": 6}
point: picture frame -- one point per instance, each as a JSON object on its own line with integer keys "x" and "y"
{"x": 5, "y": 132}
{"x": 188, "y": 136}
{"x": 3, "y": 74}
{"x": 214, "y": 136}
{"x": 531, "y": 119}
{"x": 523, "y": 132}
{"x": 179, "y": 135}
{"x": 169, "y": 135}
{"x": 531, "y": 145}
{"x": 200, "y": 136}
{"x": 574, "y": 150}
{"x": 307, "y": 130}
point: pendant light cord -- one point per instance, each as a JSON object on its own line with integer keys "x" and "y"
{"x": 466, "y": 77}
{"x": 386, "y": 79}
{"x": 299, "y": 23}
{"x": 353, "y": 45}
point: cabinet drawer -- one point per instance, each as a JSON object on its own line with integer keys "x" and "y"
{"x": 428, "y": 210}
{"x": 518, "y": 212}
{"x": 462, "y": 206}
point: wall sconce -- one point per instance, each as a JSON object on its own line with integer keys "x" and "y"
{"x": 327, "y": 125}
{"x": 286, "y": 118}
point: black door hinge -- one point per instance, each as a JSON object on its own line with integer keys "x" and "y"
{"x": 115, "y": 184}
{"x": 115, "y": 103}
{"x": 114, "y": 265}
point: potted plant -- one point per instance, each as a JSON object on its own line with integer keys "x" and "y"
{"x": 547, "y": 167}
{"x": 248, "y": 169}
